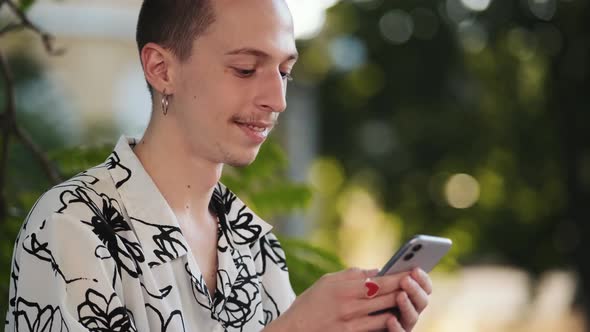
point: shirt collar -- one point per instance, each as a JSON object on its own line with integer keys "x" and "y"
{"x": 154, "y": 221}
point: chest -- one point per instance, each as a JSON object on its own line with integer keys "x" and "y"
{"x": 202, "y": 241}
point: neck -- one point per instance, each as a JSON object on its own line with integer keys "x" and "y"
{"x": 185, "y": 180}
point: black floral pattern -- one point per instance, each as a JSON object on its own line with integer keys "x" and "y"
{"x": 242, "y": 229}
{"x": 172, "y": 323}
{"x": 39, "y": 250}
{"x": 199, "y": 289}
{"x": 102, "y": 252}
{"x": 168, "y": 241}
{"x": 101, "y": 314}
{"x": 224, "y": 198}
{"x": 242, "y": 303}
{"x": 108, "y": 224}
{"x": 236, "y": 223}
{"x": 270, "y": 252}
{"x": 31, "y": 317}
{"x": 114, "y": 162}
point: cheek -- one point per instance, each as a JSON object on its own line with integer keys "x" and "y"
{"x": 226, "y": 97}
{"x": 209, "y": 110}
{"x": 215, "y": 94}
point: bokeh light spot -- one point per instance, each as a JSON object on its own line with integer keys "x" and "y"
{"x": 462, "y": 191}
{"x": 476, "y": 5}
{"x": 347, "y": 53}
{"x": 543, "y": 9}
{"x": 473, "y": 36}
{"x": 326, "y": 175}
{"x": 396, "y": 26}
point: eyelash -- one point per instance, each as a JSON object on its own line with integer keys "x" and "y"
{"x": 245, "y": 73}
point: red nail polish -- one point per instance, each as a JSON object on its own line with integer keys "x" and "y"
{"x": 372, "y": 288}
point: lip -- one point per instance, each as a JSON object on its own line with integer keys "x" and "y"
{"x": 256, "y": 131}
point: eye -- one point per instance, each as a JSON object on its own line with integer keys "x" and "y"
{"x": 286, "y": 76}
{"x": 244, "y": 72}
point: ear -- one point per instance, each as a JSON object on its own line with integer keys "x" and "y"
{"x": 157, "y": 65}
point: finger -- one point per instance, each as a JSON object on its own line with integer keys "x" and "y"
{"x": 393, "y": 325}
{"x": 371, "y": 273}
{"x": 423, "y": 279}
{"x": 376, "y": 286}
{"x": 409, "y": 315}
{"x": 369, "y": 323}
{"x": 379, "y": 303}
{"x": 353, "y": 273}
{"x": 416, "y": 294}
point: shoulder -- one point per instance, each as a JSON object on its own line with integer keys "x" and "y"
{"x": 76, "y": 200}
{"x": 83, "y": 215}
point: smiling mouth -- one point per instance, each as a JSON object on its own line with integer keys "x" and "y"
{"x": 256, "y": 129}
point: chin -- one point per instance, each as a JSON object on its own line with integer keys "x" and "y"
{"x": 240, "y": 163}
{"x": 241, "y": 160}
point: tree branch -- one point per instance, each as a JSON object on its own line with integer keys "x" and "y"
{"x": 7, "y": 119}
{"x": 11, "y": 27}
{"x": 8, "y": 123}
{"x": 11, "y": 127}
{"x": 24, "y": 137}
{"x": 25, "y": 23}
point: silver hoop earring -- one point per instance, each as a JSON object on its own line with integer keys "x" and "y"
{"x": 165, "y": 102}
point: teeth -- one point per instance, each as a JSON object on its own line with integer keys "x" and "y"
{"x": 262, "y": 130}
{"x": 259, "y": 129}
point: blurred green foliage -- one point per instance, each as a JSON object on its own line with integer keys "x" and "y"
{"x": 412, "y": 92}
{"x": 263, "y": 184}
{"x": 307, "y": 262}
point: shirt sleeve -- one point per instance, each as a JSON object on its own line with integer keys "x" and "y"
{"x": 64, "y": 278}
{"x": 277, "y": 293}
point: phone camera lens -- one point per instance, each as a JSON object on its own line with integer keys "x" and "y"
{"x": 417, "y": 247}
{"x": 408, "y": 256}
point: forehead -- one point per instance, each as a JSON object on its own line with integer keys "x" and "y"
{"x": 262, "y": 24}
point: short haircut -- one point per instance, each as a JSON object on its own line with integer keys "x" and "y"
{"x": 173, "y": 24}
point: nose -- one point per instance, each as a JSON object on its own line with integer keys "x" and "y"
{"x": 272, "y": 93}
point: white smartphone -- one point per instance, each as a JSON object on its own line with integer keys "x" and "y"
{"x": 423, "y": 251}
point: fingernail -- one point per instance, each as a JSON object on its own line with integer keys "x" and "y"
{"x": 372, "y": 288}
{"x": 420, "y": 272}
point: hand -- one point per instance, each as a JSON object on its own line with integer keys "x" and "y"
{"x": 411, "y": 300}
{"x": 342, "y": 301}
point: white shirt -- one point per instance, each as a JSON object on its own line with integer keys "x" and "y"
{"x": 103, "y": 251}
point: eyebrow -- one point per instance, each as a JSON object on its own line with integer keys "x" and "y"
{"x": 259, "y": 53}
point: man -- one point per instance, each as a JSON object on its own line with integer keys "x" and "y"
{"x": 151, "y": 241}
